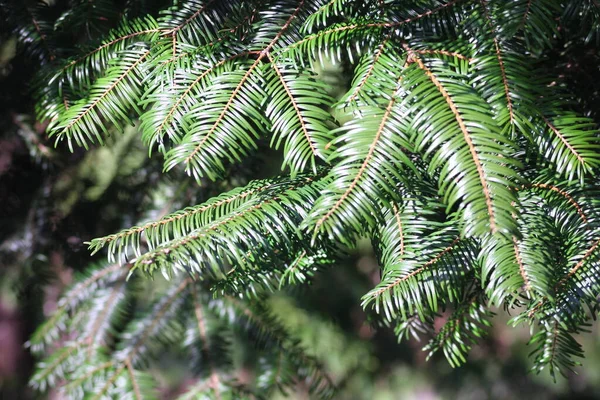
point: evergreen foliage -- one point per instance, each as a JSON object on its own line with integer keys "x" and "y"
{"x": 456, "y": 148}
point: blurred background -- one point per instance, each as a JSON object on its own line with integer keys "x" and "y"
{"x": 52, "y": 201}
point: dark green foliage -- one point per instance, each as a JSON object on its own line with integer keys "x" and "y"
{"x": 462, "y": 154}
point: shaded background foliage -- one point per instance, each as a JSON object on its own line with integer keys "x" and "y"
{"x": 51, "y": 201}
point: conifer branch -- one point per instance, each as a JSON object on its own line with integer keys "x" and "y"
{"x": 224, "y": 112}
{"x": 572, "y": 271}
{"x": 483, "y": 179}
{"x": 360, "y": 171}
{"x": 149, "y": 257}
{"x": 442, "y": 53}
{"x": 92, "y": 336}
{"x": 507, "y": 91}
{"x": 73, "y": 128}
{"x": 356, "y": 27}
{"x": 369, "y": 72}
{"x": 577, "y": 266}
{"x": 519, "y": 259}
{"x": 415, "y": 272}
{"x": 145, "y": 334}
{"x": 400, "y": 229}
{"x": 264, "y": 53}
{"x": 188, "y": 90}
{"x": 63, "y": 355}
{"x": 292, "y": 268}
{"x": 43, "y": 333}
{"x": 245, "y": 20}
{"x": 564, "y": 140}
{"x": 525, "y": 15}
{"x": 564, "y": 194}
{"x": 294, "y": 105}
{"x": 363, "y": 166}
{"x": 106, "y": 45}
{"x": 42, "y": 35}
{"x": 179, "y": 27}
{"x": 90, "y": 373}
{"x": 186, "y": 214}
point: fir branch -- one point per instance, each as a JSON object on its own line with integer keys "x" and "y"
{"x": 294, "y": 103}
{"x": 52, "y": 369}
{"x": 417, "y": 271}
{"x": 79, "y": 122}
{"x": 555, "y": 348}
{"x": 400, "y": 230}
{"x": 370, "y": 70}
{"x": 268, "y": 328}
{"x": 41, "y": 34}
{"x": 156, "y": 131}
{"x": 81, "y": 379}
{"x": 143, "y": 337}
{"x": 396, "y": 292}
{"x": 467, "y": 324}
{"x": 564, "y": 141}
{"x": 179, "y": 27}
{"x": 114, "y": 294}
{"x": 187, "y": 160}
{"x": 564, "y": 194}
{"x": 363, "y": 166}
{"x": 179, "y": 223}
{"x": 525, "y": 15}
{"x": 577, "y": 266}
{"x": 483, "y": 178}
{"x": 437, "y": 52}
{"x": 448, "y": 159}
{"x": 565, "y": 279}
{"x": 248, "y": 19}
{"x": 48, "y": 332}
{"x": 105, "y": 46}
{"x": 507, "y": 90}
{"x": 519, "y": 259}
{"x": 358, "y": 27}
{"x": 247, "y": 221}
